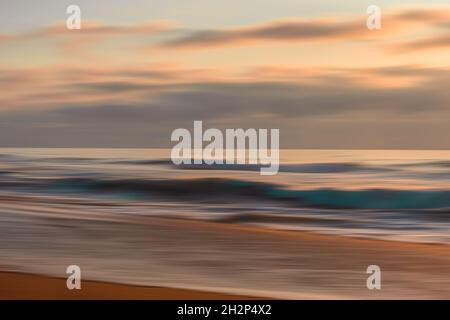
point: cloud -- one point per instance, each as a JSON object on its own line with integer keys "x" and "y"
{"x": 301, "y": 30}
{"x": 436, "y": 42}
{"x": 328, "y": 110}
{"x": 53, "y": 87}
{"x": 71, "y": 42}
{"x": 95, "y": 103}
{"x": 435, "y": 15}
{"x": 289, "y": 30}
{"x": 273, "y": 89}
{"x": 92, "y": 28}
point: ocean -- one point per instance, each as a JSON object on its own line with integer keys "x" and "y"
{"x": 91, "y": 206}
{"x": 401, "y": 195}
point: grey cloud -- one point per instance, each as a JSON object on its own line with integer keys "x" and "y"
{"x": 437, "y": 42}
{"x": 276, "y": 31}
{"x": 304, "y": 30}
{"x": 325, "y": 114}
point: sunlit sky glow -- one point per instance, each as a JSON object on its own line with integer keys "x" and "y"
{"x": 139, "y": 69}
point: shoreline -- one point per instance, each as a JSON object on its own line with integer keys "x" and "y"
{"x": 232, "y": 261}
{"x": 25, "y": 286}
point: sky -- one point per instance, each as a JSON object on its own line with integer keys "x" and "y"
{"x": 139, "y": 69}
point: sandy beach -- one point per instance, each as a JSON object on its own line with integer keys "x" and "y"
{"x": 14, "y": 286}
{"x": 266, "y": 263}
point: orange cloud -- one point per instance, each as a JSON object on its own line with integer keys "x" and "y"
{"x": 91, "y": 32}
{"x": 309, "y": 30}
{"x": 92, "y": 28}
{"x": 437, "y": 42}
{"x": 95, "y": 29}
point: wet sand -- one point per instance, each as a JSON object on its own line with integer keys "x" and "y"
{"x": 321, "y": 266}
{"x": 152, "y": 253}
{"x": 15, "y": 286}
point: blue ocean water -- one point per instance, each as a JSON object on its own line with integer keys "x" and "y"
{"x": 387, "y": 194}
